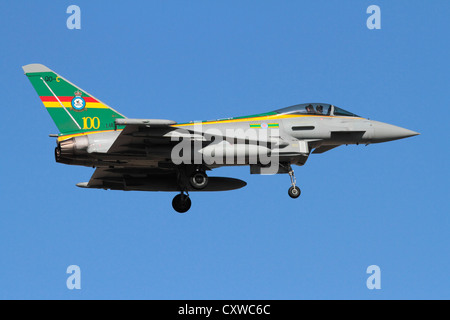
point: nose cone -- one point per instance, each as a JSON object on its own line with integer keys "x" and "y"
{"x": 383, "y": 132}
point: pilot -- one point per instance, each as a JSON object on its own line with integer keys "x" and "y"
{"x": 310, "y": 109}
{"x": 319, "y": 109}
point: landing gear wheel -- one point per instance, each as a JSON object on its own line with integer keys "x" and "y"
{"x": 198, "y": 180}
{"x": 294, "y": 192}
{"x": 181, "y": 203}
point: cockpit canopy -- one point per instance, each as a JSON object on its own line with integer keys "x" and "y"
{"x": 321, "y": 109}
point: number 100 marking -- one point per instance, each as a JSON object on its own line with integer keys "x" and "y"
{"x": 91, "y": 123}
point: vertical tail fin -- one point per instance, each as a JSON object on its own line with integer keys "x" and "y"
{"x": 72, "y": 109}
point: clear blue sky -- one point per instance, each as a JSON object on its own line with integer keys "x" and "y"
{"x": 384, "y": 204}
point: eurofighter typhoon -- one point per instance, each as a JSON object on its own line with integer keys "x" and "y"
{"x": 165, "y": 155}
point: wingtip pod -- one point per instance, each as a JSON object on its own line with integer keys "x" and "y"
{"x": 83, "y": 185}
{"x": 35, "y": 68}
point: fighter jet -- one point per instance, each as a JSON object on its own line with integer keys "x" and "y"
{"x": 165, "y": 155}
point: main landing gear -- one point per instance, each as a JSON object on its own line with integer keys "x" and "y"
{"x": 181, "y": 203}
{"x": 294, "y": 191}
{"x": 188, "y": 178}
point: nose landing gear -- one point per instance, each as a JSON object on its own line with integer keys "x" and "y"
{"x": 294, "y": 191}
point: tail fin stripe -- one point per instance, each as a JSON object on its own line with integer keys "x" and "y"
{"x": 68, "y": 105}
{"x": 61, "y": 104}
{"x": 66, "y": 99}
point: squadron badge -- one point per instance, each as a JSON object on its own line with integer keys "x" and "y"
{"x": 78, "y": 103}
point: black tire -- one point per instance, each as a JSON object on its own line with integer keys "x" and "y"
{"x": 198, "y": 180}
{"x": 181, "y": 203}
{"x": 294, "y": 193}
